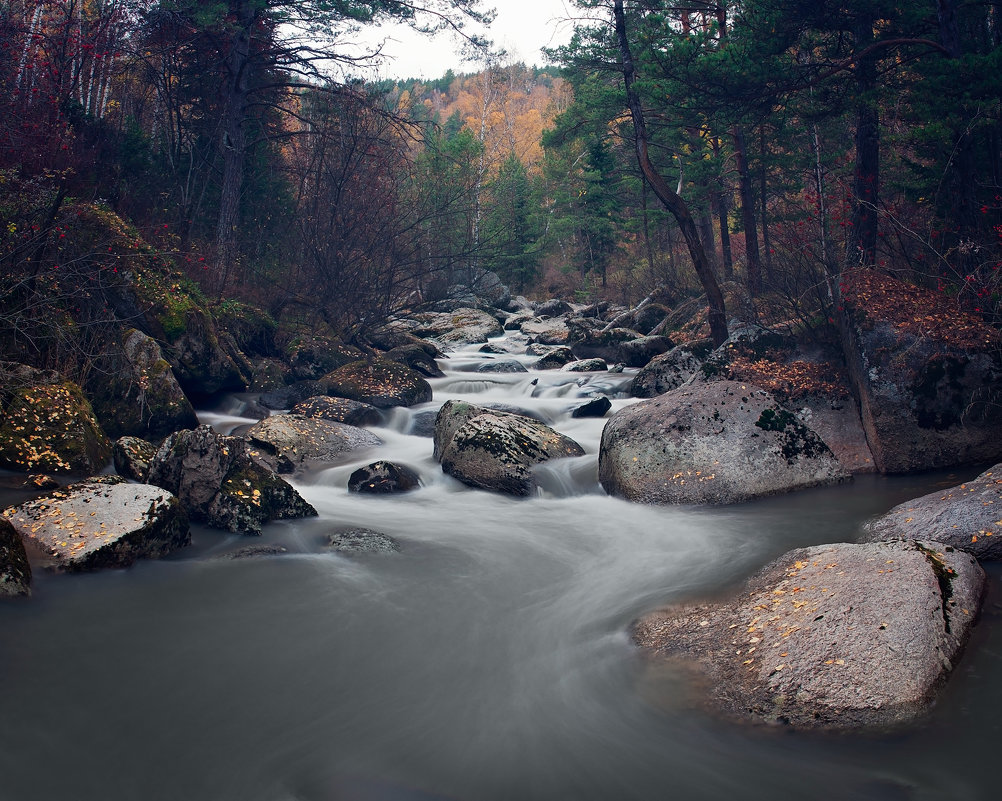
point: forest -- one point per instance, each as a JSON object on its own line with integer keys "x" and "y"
{"x": 780, "y": 142}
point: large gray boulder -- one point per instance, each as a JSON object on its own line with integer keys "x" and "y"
{"x": 639, "y": 352}
{"x": 719, "y": 442}
{"x": 495, "y": 450}
{"x": 830, "y": 637}
{"x": 219, "y": 483}
{"x": 288, "y": 442}
{"x": 551, "y": 331}
{"x": 102, "y": 522}
{"x": 967, "y": 517}
{"x": 15, "y": 572}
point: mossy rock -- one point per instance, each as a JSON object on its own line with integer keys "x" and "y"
{"x": 252, "y": 328}
{"x": 47, "y": 425}
{"x": 380, "y": 383}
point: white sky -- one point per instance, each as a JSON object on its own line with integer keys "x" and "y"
{"x": 522, "y": 27}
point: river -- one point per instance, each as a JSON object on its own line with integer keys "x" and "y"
{"x": 487, "y": 660}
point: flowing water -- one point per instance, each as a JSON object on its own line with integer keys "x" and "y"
{"x": 487, "y": 660}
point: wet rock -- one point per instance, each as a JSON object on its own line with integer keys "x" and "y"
{"x": 361, "y": 540}
{"x": 380, "y": 383}
{"x": 666, "y": 372}
{"x": 136, "y": 393}
{"x": 508, "y": 366}
{"x": 555, "y": 359}
{"x": 639, "y": 352}
{"x": 514, "y": 321}
{"x": 255, "y": 552}
{"x": 597, "y": 407}
{"x": 419, "y": 356}
{"x": 218, "y": 482}
{"x": 967, "y": 517}
{"x": 423, "y": 423}
{"x": 585, "y": 366}
{"x": 490, "y": 347}
{"x": 102, "y": 522}
{"x": 339, "y": 410}
{"x": 383, "y": 478}
{"x": 495, "y": 450}
{"x": 596, "y": 343}
{"x": 547, "y": 332}
{"x": 288, "y": 442}
{"x": 311, "y": 357}
{"x": 720, "y": 442}
{"x": 206, "y": 360}
{"x": 46, "y": 424}
{"x": 553, "y": 308}
{"x": 132, "y": 457}
{"x": 830, "y": 637}
{"x": 464, "y": 326}
{"x": 15, "y": 572}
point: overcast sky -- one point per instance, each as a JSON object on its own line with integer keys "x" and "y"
{"x": 522, "y": 27}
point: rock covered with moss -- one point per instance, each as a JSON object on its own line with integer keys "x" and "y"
{"x": 967, "y": 517}
{"x": 219, "y": 483}
{"x": 100, "y": 523}
{"x": 830, "y": 637}
{"x": 495, "y": 450}
{"x": 380, "y": 383}
{"x": 287, "y": 442}
{"x": 46, "y": 424}
{"x": 15, "y": 572}
{"x": 136, "y": 393}
{"x": 718, "y": 442}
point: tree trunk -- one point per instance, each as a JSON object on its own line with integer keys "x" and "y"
{"x": 862, "y": 245}
{"x": 671, "y": 200}
{"x": 236, "y": 98}
{"x": 753, "y": 260}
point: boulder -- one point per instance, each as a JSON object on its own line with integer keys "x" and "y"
{"x": 639, "y": 352}
{"x": 135, "y": 392}
{"x": 268, "y": 374}
{"x": 253, "y": 329}
{"x": 967, "y": 517}
{"x": 205, "y": 360}
{"x": 102, "y": 522}
{"x": 380, "y": 383}
{"x": 506, "y": 366}
{"x": 553, "y": 308}
{"x": 463, "y": 326}
{"x": 495, "y": 450}
{"x": 339, "y": 410}
{"x": 585, "y": 366}
{"x": 132, "y": 457}
{"x": 491, "y": 290}
{"x": 383, "y": 478}
{"x": 218, "y": 482}
{"x": 666, "y": 372}
{"x": 555, "y": 359}
{"x": 515, "y": 321}
{"x": 287, "y": 442}
{"x": 592, "y": 343}
{"x": 15, "y": 572}
{"x": 927, "y": 375}
{"x": 46, "y": 424}
{"x": 597, "y": 407}
{"x": 361, "y": 540}
{"x": 720, "y": 442}
{"x": 419, "y": 356}
{"x": 831, "y": 637}
{"x": 311, "y": 357}
{"x": 547, "y": 332}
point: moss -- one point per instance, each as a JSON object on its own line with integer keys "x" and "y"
{"x": 797, "y": 439}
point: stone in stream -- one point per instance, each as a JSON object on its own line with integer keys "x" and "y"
{"x": 835, "y": 637}
{"x": 718, "y": 442}
{"x": 101, "y": 522}
{"x": 287, "y": 442}
{"x": 507, "y": 366}
{"x": 361, "y": 540}
{"x": 15, "y": 572}
{"x": 218, "y": 482}
{"x": 596, "y": 407}
{"x": 383, "y": 478}
{"x": 555, "y": 359}
{"x": 585, "y": 366}
{"x": 495, "y": 450}
{"x": 132, "y": 457}
{"x": 340, "y": 410}
{"x": 380, "y": 383}
{"x": 967, "y": 517}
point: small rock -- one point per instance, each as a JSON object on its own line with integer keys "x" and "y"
{"x": 383, "y": 478}
{"x": 585, "y": 366}
{"x": 132, "y": 457}
{"x": 509, "y": 366}
{"x": 362, "y": 540}
{"x": 596, "y": 407}
{"x": 339, "y": 410}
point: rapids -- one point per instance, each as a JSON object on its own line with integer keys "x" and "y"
{"x": 488, "y": 660}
